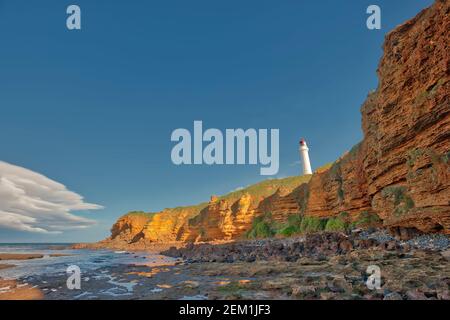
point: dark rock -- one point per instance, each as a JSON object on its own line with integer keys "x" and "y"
{"x": 415, "y": 295}
{"x": 393, "y": 296}
{"x": 345, "y": 246}
{"x": 391, "y": 245}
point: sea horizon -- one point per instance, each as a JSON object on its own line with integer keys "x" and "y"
{"x": 22, "y": 243}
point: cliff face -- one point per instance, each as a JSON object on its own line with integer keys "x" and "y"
{"x": 342, "y": 188}
{"x": 170, "y": 225}
{"x": 407, "y": 125}
{"x": 223, "y": 218}
{"x": 129, "y": 227}
{"x": 399, "y": 171}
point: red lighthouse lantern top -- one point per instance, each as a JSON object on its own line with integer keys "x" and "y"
{"x": 302, "y": 142}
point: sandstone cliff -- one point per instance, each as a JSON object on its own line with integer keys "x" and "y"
{"x": 223, "y": 218}
{"x": 400, "y": 171}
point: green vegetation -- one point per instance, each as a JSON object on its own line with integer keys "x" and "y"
{"x": 335, "y": 174}
{"x": 438, "y": 84}
{"x": 267, "y": 187}
{"x": 335, "y": 169}
{"x": 304, "y": 199}
{"x": 289, "y": 231}
{"x": 429, "y": 93}
{"x": 292, "y": 227}
{"x": 335, "y": 224}
{"x": 325, "y": 167}
{"x": 446, "y": 157}
{"x": 189, "y": 212}
{"x": 312, "y": 224}
{"x": 262, "y": 227}
{"x": 139, "y": 214}
{"x": 173, "y": 212}
{"x": 402, "y": 202}
{"x": 340, "y": 193}
{"x": 355, "y": 150}
{"x": 370, "y": 103}
{"x": 257, "y": 191}
{"x": 436, "y": 161}
{"x": 344, "y": 216}
{"x": 339, "y": 223}
{"x": 366, "y": 220}
{"x": 421, "y": 97}
{"x": 193, "y": 208}
{"x": 413, "y": 155}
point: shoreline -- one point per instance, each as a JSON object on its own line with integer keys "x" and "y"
{"x": 150, "y": 247}
{"x": 6, "y": 266}
{"x": 319, "y": 266}
{"x": 14, "y": 289}
{"x": 20, "y": 256}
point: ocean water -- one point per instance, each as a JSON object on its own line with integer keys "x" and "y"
{"x": 87, "y": 260}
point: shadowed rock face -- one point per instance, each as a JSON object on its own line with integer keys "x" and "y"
{"x": 407, "y": 125}
{"x": 399, "y": 171}
{"x": 128, "y": 227}
{"x": 401, "y": 168}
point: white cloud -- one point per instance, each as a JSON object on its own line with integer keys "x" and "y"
{"x": 32, "y": 202}
{"x": 295, "y": 163}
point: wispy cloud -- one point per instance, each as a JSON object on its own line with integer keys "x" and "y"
{"x": 295, "y": 163}
{"x": 32, "y": 202}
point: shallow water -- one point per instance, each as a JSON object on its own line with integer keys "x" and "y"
{"x": 86, "y": 260}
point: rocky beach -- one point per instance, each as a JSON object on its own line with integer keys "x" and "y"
{"x": 13, "y": 290}
{"x": 325, "y": 266}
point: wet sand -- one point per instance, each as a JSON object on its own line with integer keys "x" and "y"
{"x": 12, "y": 290}
{"x": 20, "y": 256}
{"x": 110, "y": 282}
{"x": 15, "y": 290}
{"x": 6, "y": 266}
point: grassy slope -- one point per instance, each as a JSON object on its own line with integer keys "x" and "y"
{"x": 257, "y": 191}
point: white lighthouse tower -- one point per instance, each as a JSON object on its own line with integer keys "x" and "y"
{"x": 304, "y": 155}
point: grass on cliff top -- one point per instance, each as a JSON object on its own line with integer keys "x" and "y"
{"x": 257, "y": 191}
{"x": 192, "y": 210}
{"x": 267, "y": 188}
{"x": 139, "y": 214}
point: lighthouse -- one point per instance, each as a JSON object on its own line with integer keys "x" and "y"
{"x": 304, "y": 155}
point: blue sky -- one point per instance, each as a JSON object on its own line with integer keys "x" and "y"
{"x": 94, "y": 109}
